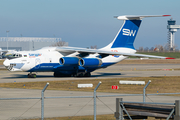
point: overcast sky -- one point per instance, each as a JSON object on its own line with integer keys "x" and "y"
{"x": 83, "y": 23}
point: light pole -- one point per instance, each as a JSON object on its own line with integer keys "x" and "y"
{"x": 33, "y": 44}
{"x": 7, "y": 31}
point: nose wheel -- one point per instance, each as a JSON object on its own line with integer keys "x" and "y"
{"x": 30, "y": 75}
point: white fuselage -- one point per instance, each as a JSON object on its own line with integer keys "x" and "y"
{"x": 47, "y": 58}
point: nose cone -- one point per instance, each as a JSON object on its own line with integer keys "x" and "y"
{"x": 6, "y": 63}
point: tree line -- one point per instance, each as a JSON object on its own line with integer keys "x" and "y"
{"x": 158, "y": 48}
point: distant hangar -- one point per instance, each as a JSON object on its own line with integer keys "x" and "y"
{"x": 27, "y": 43}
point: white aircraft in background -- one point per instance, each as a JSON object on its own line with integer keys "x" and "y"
{"x": 4, "y": 53}
{"x": 73, "y": 61}
{"x": 1, "y": 53}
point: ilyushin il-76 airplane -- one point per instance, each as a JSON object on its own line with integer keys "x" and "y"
{"x": 80, "y": 62}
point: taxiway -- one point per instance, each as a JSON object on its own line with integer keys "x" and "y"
{"x": 115, "y": 71}
{"x": 31, "y": 108}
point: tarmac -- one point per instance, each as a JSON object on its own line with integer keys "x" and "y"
{"x": 115, "y": 71}
{"x": 31, "y": 108}
{"x": 60, "y": 107}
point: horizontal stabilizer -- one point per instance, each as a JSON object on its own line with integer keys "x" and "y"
{"x": 137, "y": 17}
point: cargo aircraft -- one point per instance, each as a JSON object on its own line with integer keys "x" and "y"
{"x": 5, "y": 52}
{"x": 80, "y": 62}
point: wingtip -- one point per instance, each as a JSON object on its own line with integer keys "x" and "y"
{"x": 166, "y": 15}
{"x": 170, "y": 58}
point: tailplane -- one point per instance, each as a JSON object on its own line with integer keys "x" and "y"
{"x": 127, "y": 33}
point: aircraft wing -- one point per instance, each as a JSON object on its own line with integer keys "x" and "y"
{"x": 3, "y": 50}
{"x": 5, "y": 53}
{"x": 104, "y": 53}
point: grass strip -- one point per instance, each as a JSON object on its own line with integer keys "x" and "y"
{"x": 150, "y": 61}
{"x": 161, "y": 84}
{"x": 90, "y": 117}
{"x": 1, "y": 62}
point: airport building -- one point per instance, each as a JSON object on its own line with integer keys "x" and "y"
{"x": 27, "y": 43}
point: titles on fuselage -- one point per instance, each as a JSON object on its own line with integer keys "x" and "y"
{"x": 34, "y": 55}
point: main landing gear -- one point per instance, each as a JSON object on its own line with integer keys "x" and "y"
{"x": 31, "y": 75}
{"x": 79, "y": 74}
{"x": 58, "y": 74}
{"x": 82, "y": 74}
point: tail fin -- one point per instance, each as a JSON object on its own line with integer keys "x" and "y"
{"x": 127, "y": 34}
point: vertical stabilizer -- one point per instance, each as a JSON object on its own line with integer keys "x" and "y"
{"x": 127, "y": 33}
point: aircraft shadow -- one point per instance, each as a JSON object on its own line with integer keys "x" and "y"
{"x": 105, "y": 74}
{"x": 25, "y": 76}
{"x": 16, "y": 76}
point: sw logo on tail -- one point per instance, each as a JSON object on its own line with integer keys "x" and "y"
{"x": 73, "y": 61}
{"x": 129, "y": 32}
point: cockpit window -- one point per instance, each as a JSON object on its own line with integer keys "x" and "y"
{"x": 14, "y": 55}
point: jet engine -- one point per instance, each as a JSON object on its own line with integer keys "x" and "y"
{"x": 90, "y": 62}
{"x": 68, "y": 61}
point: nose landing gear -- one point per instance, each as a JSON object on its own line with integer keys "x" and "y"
{"x": 30, "y": 75}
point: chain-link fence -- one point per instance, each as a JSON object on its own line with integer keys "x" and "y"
{"x": 69, "y": 103}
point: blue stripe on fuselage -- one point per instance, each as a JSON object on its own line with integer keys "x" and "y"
{"x": 51, "y": 67}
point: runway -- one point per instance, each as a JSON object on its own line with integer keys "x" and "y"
{"x": 115, "y": 71}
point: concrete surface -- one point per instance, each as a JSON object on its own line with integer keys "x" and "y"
{"x": 115, "y": 71}
{"x": 60, "y": 107}
{"x": 11, "y": 109}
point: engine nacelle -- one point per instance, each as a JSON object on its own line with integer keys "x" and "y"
{"x": 67, "y": 61}
{"x": 90, "y": 62}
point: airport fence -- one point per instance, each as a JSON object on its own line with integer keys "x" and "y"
{"x": 142, "y": 110}
{"x": 94, "y": 97}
